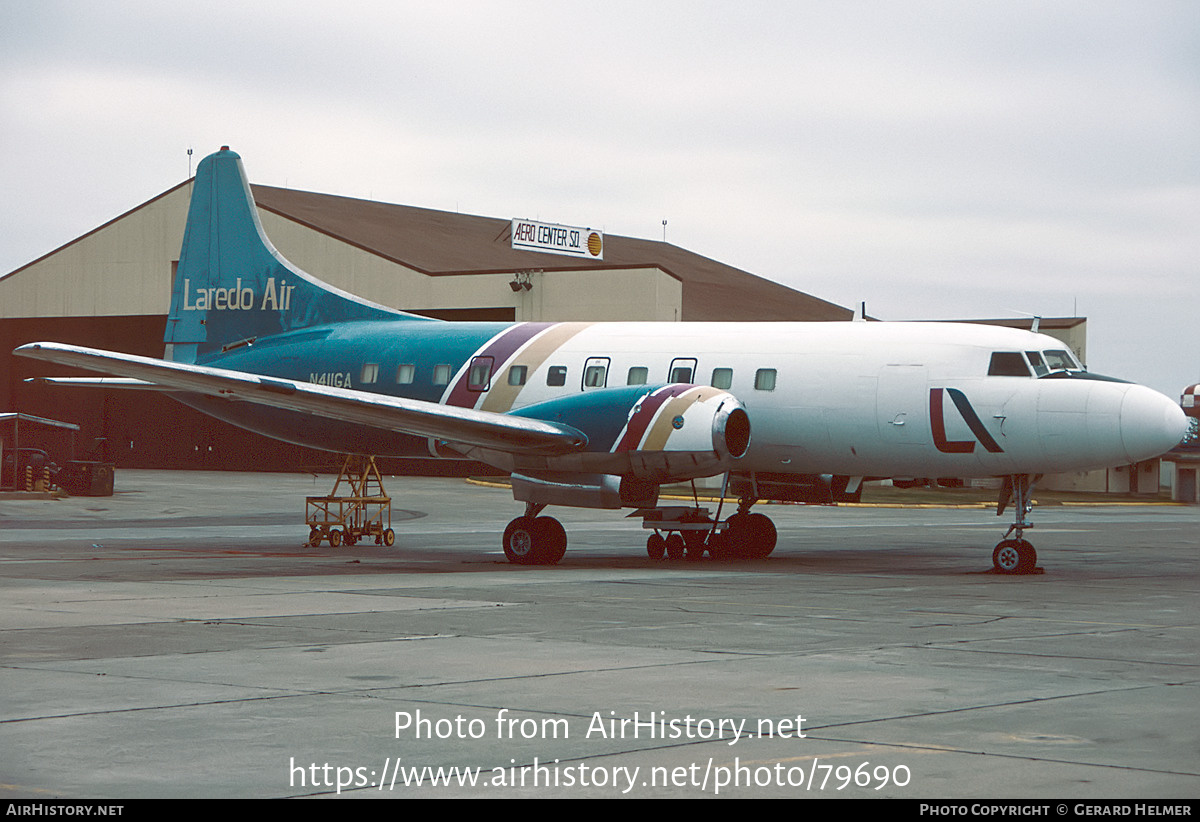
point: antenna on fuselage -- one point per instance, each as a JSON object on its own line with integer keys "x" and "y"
{"x": 1037, "y": 319}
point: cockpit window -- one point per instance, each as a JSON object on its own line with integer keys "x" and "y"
{"x": 1008, "y": 364}
{"x": 1060, "y": 364}
{"x": 1061, "y": 361}
{"x": 1039, "y": 365}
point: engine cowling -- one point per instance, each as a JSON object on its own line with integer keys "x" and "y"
{"x": 657, "y": 434}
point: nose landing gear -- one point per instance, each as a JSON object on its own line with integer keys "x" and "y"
{"x": 1016, "y": 556}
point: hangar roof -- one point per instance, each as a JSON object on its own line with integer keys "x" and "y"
{"x": 443, "y": 243}
{"x": 1044, "y": 323}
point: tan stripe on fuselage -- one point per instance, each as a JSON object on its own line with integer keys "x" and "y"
{"x": 501, "y": 396}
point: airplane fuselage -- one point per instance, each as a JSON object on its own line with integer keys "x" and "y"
{"x": 866, "y": 399}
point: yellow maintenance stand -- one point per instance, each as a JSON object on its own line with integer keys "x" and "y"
{"x": 362, "y": 509}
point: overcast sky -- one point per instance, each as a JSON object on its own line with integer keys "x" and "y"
{"x": 935, "y": 159}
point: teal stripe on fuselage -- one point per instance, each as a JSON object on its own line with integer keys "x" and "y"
{"x": 336, "y": 354}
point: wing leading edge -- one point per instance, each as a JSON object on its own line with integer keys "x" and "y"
{"x": 510, "y": 434}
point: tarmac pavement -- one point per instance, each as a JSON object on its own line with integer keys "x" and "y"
{"x": 180, "y": 639}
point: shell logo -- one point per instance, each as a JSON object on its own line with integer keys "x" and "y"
{"x": 594, "y": 244}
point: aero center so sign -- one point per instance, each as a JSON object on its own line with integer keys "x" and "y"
{"x": 550, "y": 238}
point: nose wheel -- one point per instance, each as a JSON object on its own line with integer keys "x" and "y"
{"x": 1014, "y": 556}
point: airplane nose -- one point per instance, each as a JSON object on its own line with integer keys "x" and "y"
{"x": 1151, "y": 424}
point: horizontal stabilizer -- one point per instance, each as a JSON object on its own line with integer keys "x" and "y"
{"x": 99, "y": 382}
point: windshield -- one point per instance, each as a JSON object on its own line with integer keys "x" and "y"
{"x": 1061, "y": 361}
{"x": 1057, "y": 362}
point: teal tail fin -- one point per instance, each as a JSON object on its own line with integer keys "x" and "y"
{"x": 232, "y": 285}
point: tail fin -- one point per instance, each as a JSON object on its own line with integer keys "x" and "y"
{"x": 232, "y": 285}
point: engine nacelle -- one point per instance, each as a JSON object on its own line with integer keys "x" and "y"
{"x": 660, "y": 434}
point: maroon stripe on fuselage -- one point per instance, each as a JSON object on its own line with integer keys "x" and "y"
{"x": 636, "y": 428}
{"x": 500, "y": 349}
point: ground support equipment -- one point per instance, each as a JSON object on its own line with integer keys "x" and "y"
{"x": 362, "y": 509}
{"x": 688, "y": 531}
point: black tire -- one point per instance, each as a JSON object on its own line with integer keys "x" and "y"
{"x": 551, "y": 540}
{"x": 656, "y": 546}
{"x": 521, "y": 542}
{"x": 751, "y": 536}
{"x": 335, "y": 538}
{"x": 693, "y": 542}
{"x": 718, "y": 546}
{"x": 765, "y": 535}
{"x": 1014, "y": 556}
{"x": 675, "y": 547}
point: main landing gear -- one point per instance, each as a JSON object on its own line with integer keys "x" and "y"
{"x": 1016, "y": 556}
{"x": 679, "y": 532}
{"x": 534, "y": 540}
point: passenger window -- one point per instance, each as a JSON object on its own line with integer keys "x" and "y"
{"x": 405, "y": 373}
{"x": 764, "y": 379}
{"x": 480, "y": 376}
{"x": 370, "y": 373}
{"x": 682, "y": 369}
{"x": 1008, "y": 364}
{"x": 638, "y": 375}
{"x": 441, "y": 374}
{"x": 722, "y": 378}
{"x": 557, "y": 375}
{"x": 595, "y": 375}
{"x": 517, "y": 374}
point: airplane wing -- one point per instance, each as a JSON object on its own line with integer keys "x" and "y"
{"x": 502, "y": 432}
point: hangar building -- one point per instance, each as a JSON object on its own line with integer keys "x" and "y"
{"x": 111, "y": 287}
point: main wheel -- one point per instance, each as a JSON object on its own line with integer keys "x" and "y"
{"x": 656, "y": 546}
{"x": 1014, "y": 556}
{"x": 535, "y": 541}
{"x": 751, "y": 536}
{"x": 675, "y": 546}
{"x": 551, "y": 540}
{"x": 520, "y": 541}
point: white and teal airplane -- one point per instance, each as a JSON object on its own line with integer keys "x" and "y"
{"x": 601, "y": 415}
